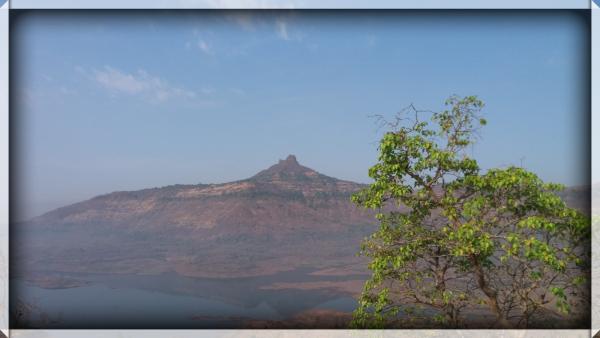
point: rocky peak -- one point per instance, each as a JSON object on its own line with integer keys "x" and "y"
{"x": 287, "y": 169}
{"x": 290, "y": 163}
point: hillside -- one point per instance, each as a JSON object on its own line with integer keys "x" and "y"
{"x": 285, "y": 217}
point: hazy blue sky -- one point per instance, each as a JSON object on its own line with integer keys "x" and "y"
{"x": 121, "y": 102}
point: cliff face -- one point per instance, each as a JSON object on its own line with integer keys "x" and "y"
{"x": 284, "y": 217}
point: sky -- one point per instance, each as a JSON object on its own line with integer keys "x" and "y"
{"x": 114, "y": 101}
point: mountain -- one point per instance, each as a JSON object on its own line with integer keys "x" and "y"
{"x": 283, "y": 241}
{"x": 285, "y": 196}
{"x": 283, "y": 218}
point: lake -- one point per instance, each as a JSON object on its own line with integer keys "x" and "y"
{"x": 174, "y": 301}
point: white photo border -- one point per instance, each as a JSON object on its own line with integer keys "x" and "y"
{"x": 7, "y": 5}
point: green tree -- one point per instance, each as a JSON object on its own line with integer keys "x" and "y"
{"x": 453, "y": 236}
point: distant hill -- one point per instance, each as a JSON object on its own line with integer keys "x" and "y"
{"x": 286, "y": 196}
{"x": 284, "y": 217}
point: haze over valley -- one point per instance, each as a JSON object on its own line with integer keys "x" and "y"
{"x": 286, "y": 232}
{"x": 289, "y": 227}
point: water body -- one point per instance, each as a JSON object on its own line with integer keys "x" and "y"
{"x": 173, "y": 301}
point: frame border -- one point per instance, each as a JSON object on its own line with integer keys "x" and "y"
{"x": 7, "y": 5}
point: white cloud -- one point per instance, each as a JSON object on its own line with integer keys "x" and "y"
{"x": 204, "y": 46}
{"x": 115, "y": 80}
{"x": 139, "y": 83}
{"x": 281, "y": 29}
{"x": 200, "y": 42}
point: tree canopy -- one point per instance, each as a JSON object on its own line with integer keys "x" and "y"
{"x": 454, "y": 238}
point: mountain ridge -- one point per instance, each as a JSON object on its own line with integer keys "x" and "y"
{"x": 284, "y": 217}
{"x": 286, "y": 180}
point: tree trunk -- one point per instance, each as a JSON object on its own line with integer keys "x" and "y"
{"x": 492, "y": 296}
